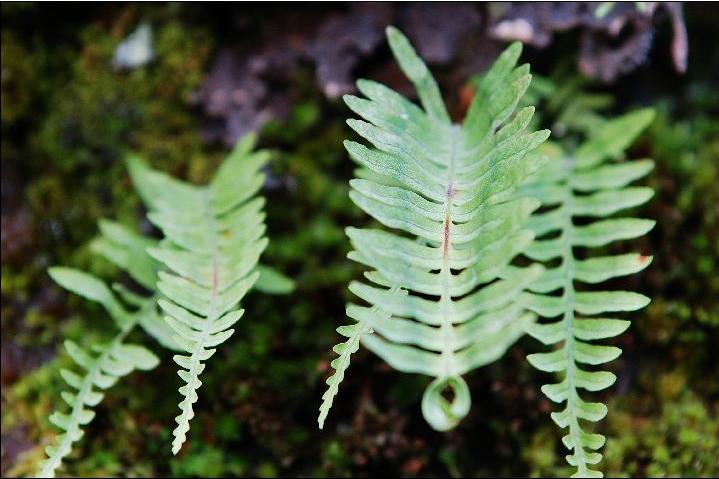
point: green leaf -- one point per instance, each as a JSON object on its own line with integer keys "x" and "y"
{"x": 604, "y": 232}
{"x": 599, "y": 328}
{"x": 353, "y": 332}
{"x": 128, "y": 251}
{"x": 272, "y": 281}
{"x": 549, "y": 362}
{"x": 609, "y": 176}
{"x": 92, "y": 288}
{"x": 613, "y": 138}
{"x": 598, "y": 269}
{"x": 140, "y": 357}
{"x": 100, "y": 370}
{"x": 607, "y": 202}
{"x": 605, "y": 301}
{"x": 442, "y": 297}
{"x": 214, "y": 236}
{"x": 581, "y": 184}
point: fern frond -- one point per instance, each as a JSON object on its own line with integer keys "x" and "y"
{"x": 127, "y": 250}
{"x": 563, "y": 101}
{"x": 102, "y": 366}
{"x": 340, "y": 364}
{"x": 583, "y": 184}
{"x": 447, "y": 192}
{"x": 214, "y": 236}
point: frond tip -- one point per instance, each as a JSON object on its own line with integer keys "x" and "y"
{"x": 340, "y": 364}
{"x": 441, "y": 296}
{"x": 583, "y": 183}
{"x": 214, "y": 236}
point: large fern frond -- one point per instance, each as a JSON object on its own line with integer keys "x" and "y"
{"x": 446, "y": 191}
{"x": 583, "y": 184}
{"x": 101, "y": 366}
{"x": 214, "y": 236}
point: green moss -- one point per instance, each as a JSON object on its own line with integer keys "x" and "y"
{"x": 18, "y": 79}
{"x": 93, "y": 115}
{"x": 679, "y": 440}
{"x": 101, "y": 112}
{"x": 682, "y": 442}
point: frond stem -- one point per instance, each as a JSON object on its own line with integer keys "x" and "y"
{"x": 568, "y": 265}
{"x": 446, "y": 272}
{"x": 195, "y": 361}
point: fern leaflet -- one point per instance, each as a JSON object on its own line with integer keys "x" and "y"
{"x": 128, "y": 251}
{"x": 214, "y": 236}
{"x": 447, "y": 191}
{"x": 583, "y": 184}
{"x": 353, "y": 333}
{"x": 102, "y": 366}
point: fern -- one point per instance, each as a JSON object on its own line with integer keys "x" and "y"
{"x": 128, "y": 251}
{"x": 582, "y": 184}
{"x": 214, "y": 236}
{"x": 105, "y": 363}
{"x": 447, "y": 191}
{"x": 566, "y": 103}
{"x": 102, "y": 365}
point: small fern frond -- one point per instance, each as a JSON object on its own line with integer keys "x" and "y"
{"x": 214, "y": 236}
{"x": 583, "y": 184}
{"x": 92, "y": 288}
{"x": 340, "y": 364}
{"x": 447, "y": 192}
{"x": 128, "y": 251}
{"x": 102, "y": 366}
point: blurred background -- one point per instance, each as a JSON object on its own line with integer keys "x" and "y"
{"x": 83, "y": 84}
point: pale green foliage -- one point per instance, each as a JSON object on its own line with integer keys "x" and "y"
{"x": 101, "y": 366}
{"x": 604, "y": 8}
{"x": 564, "y": 102}
{"x": 237, "y": 251}
{"x": 214, "y": 236}
{"x": 583, "y": 183}
{"x": 271, "y": 281}
{"x": 446, "y": 190}
{"x": 340, "y": 364}
{"x": 128, "y": 251}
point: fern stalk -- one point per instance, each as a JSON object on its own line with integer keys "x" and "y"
{"x": 568, "y": 262}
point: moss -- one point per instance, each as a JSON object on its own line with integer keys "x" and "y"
{"x": 18, "y": 79}
{"x": 678, "y": 440}
{"x": 93, "y": 116}
{"x": 101, "y": 112}
{"x": 681, "y": 442}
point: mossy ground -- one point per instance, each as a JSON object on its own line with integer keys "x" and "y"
{"x": 67, "y": 120}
